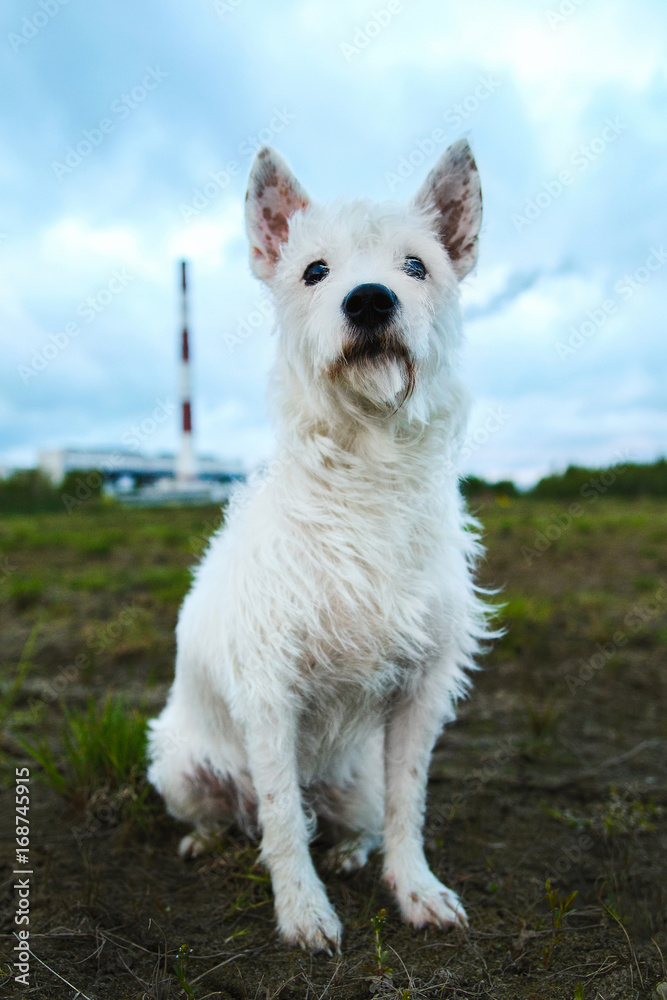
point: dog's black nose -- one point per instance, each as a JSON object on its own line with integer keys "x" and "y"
{"x": 368, "y": 306}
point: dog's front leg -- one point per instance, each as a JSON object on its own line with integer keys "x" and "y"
{"x": 305, "y": 915}
{"x": 411, "y": 732}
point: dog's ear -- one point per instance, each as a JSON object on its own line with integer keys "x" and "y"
{"x": 274, "y": 194}
{"x": 453, "y": 190}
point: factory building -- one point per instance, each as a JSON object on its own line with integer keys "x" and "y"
{"x": 136, "y": 478}
{"x": 126, "y": 470}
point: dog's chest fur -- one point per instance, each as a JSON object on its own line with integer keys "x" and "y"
{"x": 366, "y": 528}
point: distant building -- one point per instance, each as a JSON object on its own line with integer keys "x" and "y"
{"x": 126, "y": 471}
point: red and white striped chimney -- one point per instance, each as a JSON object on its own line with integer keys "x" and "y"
{"x": 186, "y": 469}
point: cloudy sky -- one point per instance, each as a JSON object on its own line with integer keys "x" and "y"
{"x": 127, "y": 133}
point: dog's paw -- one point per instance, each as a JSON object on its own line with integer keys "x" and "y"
{"x": 429, "y": 902}
{"x": 345, "y": 861}
{"x": 311, "y": 923}
{"x": 349, "y": 855}
{"x": 195, "y": 844}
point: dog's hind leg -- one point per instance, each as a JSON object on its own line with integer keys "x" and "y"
{"x": 207, "y": 786}
{"x": 221, "y": 800}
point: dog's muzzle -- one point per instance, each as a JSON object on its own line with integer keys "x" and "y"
{"x": 373, "y": 339}
{"x": 369, "y": 306}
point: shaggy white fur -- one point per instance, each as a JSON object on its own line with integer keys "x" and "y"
{"x": 329, "y": 628}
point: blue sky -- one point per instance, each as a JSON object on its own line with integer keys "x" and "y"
{"x": 564, "y": 104}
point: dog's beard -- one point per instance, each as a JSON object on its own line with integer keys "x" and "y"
{"x": 377, "y": 368}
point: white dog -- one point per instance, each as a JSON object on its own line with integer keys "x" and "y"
{"x": 326, "y": 637}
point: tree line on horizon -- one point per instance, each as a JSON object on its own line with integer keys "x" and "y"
{"x": 625, "y": 479}
{"x": 30, "y": 491}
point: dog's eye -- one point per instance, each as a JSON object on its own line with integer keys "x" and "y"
{"x": 315, "y": 272}
{"x": 414, "y": 267}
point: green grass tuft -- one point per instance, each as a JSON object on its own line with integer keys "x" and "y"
{"x": 11, "y": 689}
{"x": 26, "y": 592}
{"x": 101, "y": 746}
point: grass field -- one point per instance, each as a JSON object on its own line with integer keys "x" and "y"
{"x": 555, "y": 768}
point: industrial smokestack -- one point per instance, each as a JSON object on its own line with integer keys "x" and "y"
{"x": 186, "y": 469}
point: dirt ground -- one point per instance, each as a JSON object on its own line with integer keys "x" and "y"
{"x": 556, "y": 767}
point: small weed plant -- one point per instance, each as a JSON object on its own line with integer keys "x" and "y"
{"x": 619, "y": 816}
{"x": 560, "y": 907}
{"x": 380, "y": 969}
{"x": 180, "y": 968}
